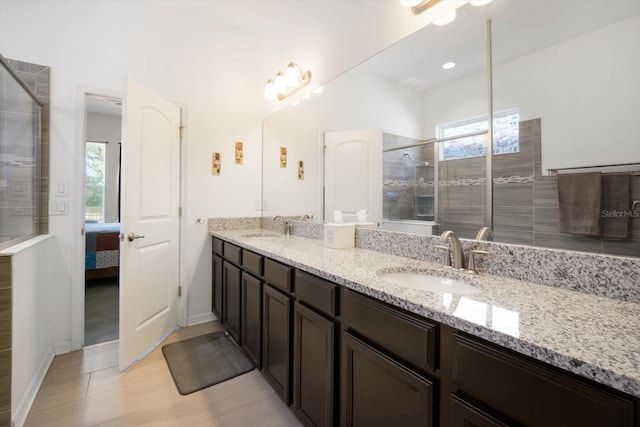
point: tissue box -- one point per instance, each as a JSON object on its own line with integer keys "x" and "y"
{"x": 339, "y": 235}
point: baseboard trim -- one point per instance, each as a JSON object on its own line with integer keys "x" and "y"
{"x": 22, "y": 410}
{"x": 201, "y": 318}
{"x": 62, "y": 347}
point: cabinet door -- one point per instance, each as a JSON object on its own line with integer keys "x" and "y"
{"x": 276, "y": 338}
{"x": 216, "y": 287}
{"x": 231, "y": 292}
{"x": 378, "y": 391}
{"x": 313, "y": 366}
{"x": 464, "y": 414}
{"x": 252, "y": 317}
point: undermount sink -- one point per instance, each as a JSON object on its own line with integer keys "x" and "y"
{"x": 428, "y": 282}
{"x": 261, "y": 236}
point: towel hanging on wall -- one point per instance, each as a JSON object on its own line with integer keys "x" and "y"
{"x": 580, "y": 203}
{"x": 616, "y": 203}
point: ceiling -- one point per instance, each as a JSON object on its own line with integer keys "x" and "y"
{"x": 517, "y": 28}
{"x": 102, "y": 105}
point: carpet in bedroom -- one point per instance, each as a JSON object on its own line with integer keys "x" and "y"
{"x": 101, "y": 311}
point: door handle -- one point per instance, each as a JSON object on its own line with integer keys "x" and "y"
{"x": 133, "y": 236}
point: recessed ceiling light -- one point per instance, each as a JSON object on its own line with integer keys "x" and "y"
{"x": 449, "y": 17}
{"x": 448, "y": 65}
{"x": 480, "y": 2}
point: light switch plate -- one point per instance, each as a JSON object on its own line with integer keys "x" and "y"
{"x": 61, "y": 189}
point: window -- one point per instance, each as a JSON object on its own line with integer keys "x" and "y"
{"x": 506, "y": 136}
{"x": 95, "y": 162}
{"x": 20, "y": 196}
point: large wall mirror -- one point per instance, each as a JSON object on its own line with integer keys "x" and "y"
{"x": 405, "y": 138}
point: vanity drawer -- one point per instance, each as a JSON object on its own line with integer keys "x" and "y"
{"x": 409, "y": 337}
{"x": 252, "y": 262}
{"x": 316, "y": 292}
{"x": 233, "y": 253}
{"x": 217, "y": 246}
{"x": 530, "y": 392}
{"x": 278, "y": 275}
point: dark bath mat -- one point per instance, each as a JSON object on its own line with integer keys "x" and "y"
{"x": 203, "y": 361}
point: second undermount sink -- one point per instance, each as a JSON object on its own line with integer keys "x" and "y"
{"x": 429, "y": 282}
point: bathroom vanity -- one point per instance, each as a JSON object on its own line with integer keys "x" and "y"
{"x": 342, "y": 346}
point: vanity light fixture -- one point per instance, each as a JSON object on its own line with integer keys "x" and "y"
{"x": 417, "y": 7}
{"x": 284, "y": 85}
{"x": 448, "y": 65}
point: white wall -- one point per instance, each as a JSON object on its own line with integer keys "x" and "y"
{"x": 355, "y": 101}
{"x": 31, "y": 329}
{"x": 108, "y": 128}
{"x": 212, "y": 58}
{"x": 584, "y": 89}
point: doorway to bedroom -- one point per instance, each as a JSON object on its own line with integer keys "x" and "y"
{"x": 102, "y": 219}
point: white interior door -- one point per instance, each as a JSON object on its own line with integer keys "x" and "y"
{"x": 149, "y": 255}
{"x": 353, "y": 174}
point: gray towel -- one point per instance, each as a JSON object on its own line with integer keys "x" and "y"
{"x": 579, "y": 197}
{"x": 616, "y": 201}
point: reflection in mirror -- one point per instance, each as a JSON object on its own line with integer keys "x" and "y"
{"x": 575, "y": 83}
{"x": 389, "y": 93}
{"x": 565, "y": 93}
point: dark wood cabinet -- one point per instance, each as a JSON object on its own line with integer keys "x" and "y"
{"x": 409, "y": 337}
{"x": 339, "y": 357}
{"x": 276, "y": 339}
{"x": 378, "y": 391}
{"x": 313, "y": 367}
{"x": 216, "y": 287}
{"x": 531, "y": 393}
{"x": 465, "y": 414}
{"x": 252, "y": 318}
{"x": 231, "y": 295}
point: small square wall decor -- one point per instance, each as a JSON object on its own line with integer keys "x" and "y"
{"x": 283, "y": 157}
{"x": 215, "y": 163}
{"x": 239, "y": 153}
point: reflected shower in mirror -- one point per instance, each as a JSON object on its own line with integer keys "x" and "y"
{"x": 565, "y": 77}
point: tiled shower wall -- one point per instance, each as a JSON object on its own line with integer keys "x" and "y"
{"x": 37, "y": 77}
{"x": 525, "y": 203}
{"x": 405, "y": 195}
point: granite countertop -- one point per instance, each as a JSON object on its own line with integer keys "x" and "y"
{"x": 592, "y": 336}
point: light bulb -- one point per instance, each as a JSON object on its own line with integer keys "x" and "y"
{"x": 410, "y": 3}
{"x": 270, "y": 91}
{"x": 448, "y": 65}
{"x": 480, "y": 2}
{"x": 318, "y": 89}
{"x": 280, "y": 83}
{"x": 291, "y": 75}
{"x": 449, "y": 17}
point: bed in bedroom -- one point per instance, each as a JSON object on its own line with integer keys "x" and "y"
{"x": 102, "y": 250}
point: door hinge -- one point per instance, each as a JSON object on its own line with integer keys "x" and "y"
{"x": 181, "y": 131}
{"x": 179, "y": 291}
{"x": 180, "y": 211}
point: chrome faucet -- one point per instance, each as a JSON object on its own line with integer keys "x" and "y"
{"x": 456, "y": 248}
{"x": 485, "y": 233}
{"x": 286, "y": 226}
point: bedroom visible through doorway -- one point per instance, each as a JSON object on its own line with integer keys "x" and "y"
{"x": 102, "y": 219}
